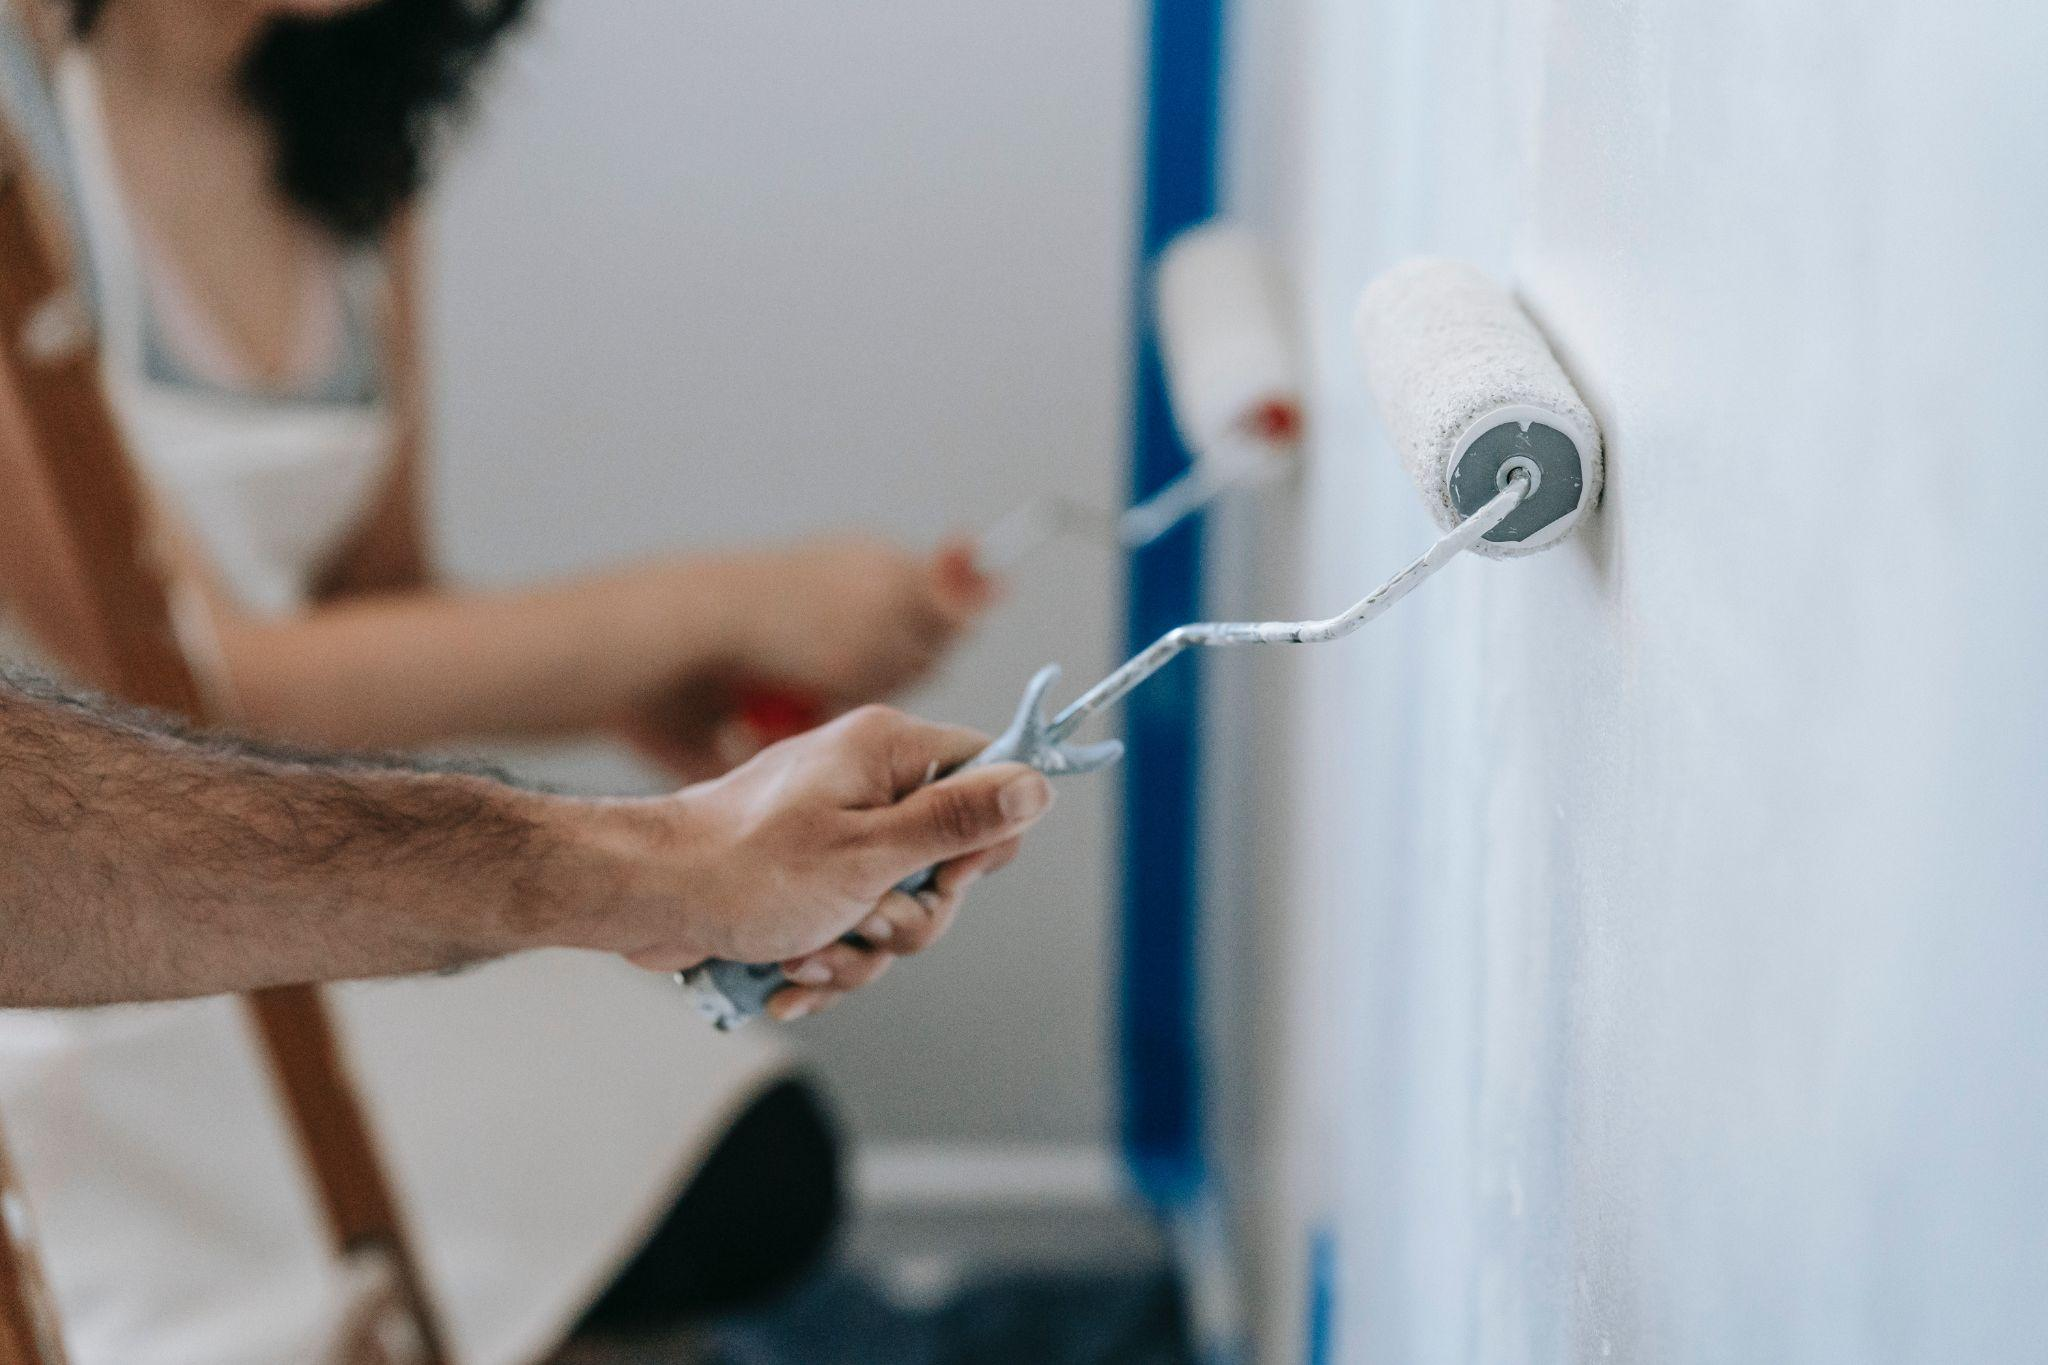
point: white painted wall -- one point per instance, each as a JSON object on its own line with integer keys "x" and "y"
{"x": 1677, "y": 902}
{"x": 724, "y": 270}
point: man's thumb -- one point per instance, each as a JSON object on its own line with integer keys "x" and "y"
{"x": 967, "y": 812}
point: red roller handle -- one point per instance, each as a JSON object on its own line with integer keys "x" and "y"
{"x": 772, "y": 714}
{"x": 1277, "y": 421}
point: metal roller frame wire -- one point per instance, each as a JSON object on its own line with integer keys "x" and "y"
{"x": 1157, "y": 655}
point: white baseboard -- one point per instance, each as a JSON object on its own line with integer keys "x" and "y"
{"x": 966, "y": 1175}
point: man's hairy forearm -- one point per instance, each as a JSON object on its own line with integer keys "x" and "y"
{"x": 140, "y": 861}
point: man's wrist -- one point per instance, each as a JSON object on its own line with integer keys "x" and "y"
{"x": 607, "y": 876}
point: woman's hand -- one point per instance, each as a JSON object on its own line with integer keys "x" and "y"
{"x": 812, "y": 631}
{"x": 849, "y": 620}
{"x": 687, "y": 730}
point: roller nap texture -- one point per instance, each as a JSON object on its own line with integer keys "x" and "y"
{"x": 1466, "y": 383}
{"x": 1223, "y": 337}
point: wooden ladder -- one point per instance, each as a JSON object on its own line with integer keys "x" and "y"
{"x": 50, "y": 354}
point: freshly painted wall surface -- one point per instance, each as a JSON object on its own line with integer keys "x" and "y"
{"x": 1676, "y": 904}
{"x": 722, "y": 271}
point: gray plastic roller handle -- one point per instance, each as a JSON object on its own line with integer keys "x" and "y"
{"x": 730, "y": 994}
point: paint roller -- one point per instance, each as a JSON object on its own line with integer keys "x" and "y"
{"x": 1471, "y": 394}
{"x": 1223, "y": 340}
{"x": 1235, "y": 391}
{"x": 1504, "y": 450}
{"x": 1232, "y": 382}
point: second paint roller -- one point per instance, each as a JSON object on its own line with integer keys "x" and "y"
{"x": 1236, "y": 398}
{"x": 1502, "y": 447}
{"x": 1234, "y": 386}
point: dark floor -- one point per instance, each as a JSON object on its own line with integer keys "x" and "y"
{"x": 842, "y": 1317}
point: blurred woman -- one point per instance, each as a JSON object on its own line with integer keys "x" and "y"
{"x": 567, "y": 1139}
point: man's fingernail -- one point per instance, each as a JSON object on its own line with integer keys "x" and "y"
{"x": 1024, "y": 797}
{"x": 811, "y": 974}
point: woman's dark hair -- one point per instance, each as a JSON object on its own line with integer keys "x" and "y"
{"x": 357, "y": 103}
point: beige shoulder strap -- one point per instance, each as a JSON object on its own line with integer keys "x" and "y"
{"x": 48, "y": 352}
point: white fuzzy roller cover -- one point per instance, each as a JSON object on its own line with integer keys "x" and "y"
{"x": 1222, "y": 334}
{"x": 1442, "y": 346}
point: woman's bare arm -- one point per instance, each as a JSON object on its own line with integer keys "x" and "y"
{"x": 847, "y": 620}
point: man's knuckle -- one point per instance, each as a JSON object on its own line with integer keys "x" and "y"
{"x": 871, "y": 723}
{"x": 956, "y": 814}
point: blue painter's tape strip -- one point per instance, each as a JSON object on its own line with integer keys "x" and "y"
{"x": 1159, "y": 1033}
{"x": 1320, "y": 1335}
